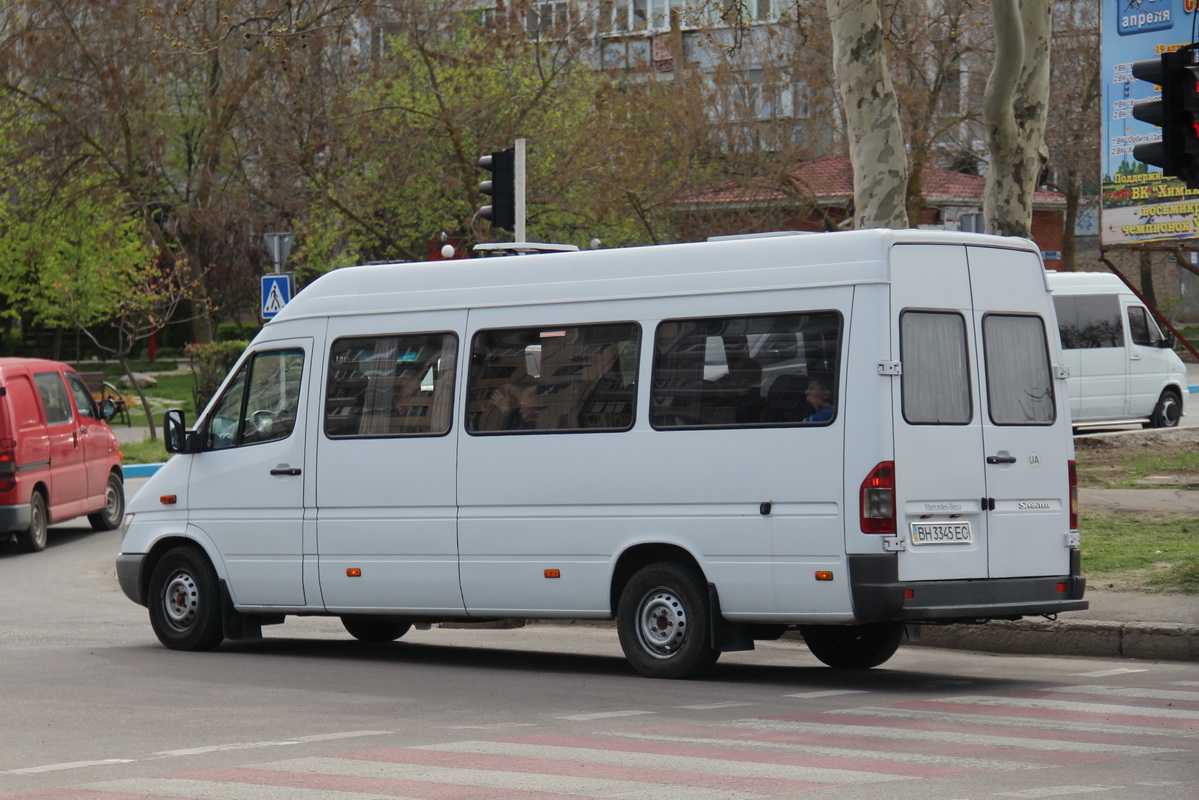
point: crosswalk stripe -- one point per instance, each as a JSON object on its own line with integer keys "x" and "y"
{"x": 721, "y": 760}
{"x": 977, "y": 717}
{"x": 977, "y": 725}
{"x": 1054, "y": 709}
{"x": 1130, "y": 691}
{"x": 893, "y": 744}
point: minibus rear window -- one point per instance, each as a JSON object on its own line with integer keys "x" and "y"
{"x": 558, "y": 378}
{"x": 754, "y": 371}
{"x": 390, "y": 385}
{"x": 1019, "y": 379}
{"x": 936, "y": 368}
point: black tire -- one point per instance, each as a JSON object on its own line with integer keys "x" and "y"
{"x": 185, "y": 601}
{"x": 664, "y": 623}
{"x": 375, "y": 629}
{"x": 109, "y": 518}
{"x": 853, "y": 646}
{"x": 33, "y": 539}
{"x": 1168, "y": 411}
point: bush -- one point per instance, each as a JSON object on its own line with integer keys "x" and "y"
{"x": 210, "y": 364}
{"x": 235, "y": 331}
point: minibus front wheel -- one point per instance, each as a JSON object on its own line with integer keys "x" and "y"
{"x": 664, "y": 623}
{"x": 853, "y": 646}
{"x": 185, "y": 601}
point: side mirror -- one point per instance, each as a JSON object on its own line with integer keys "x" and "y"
{"x": 175, "y": 435}
{"x": 1168, "y": 342}
{"x": 108, "y": 408}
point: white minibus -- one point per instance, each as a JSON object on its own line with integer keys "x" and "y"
{"x": 711, "y": 443}
{"x": 1123, "y": 368}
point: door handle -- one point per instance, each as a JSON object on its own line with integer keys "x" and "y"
{"x": 285, "y": 471}
{"x": 1001, "y": 459}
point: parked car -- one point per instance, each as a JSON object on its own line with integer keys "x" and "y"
{"x": 58, "y": 457}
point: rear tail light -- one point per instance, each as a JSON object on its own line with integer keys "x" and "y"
{"x": 877, "y": 499}
{"x": 8, "y": 470}
{"x": 1073, "y": 496}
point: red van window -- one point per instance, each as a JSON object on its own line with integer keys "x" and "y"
{"x": 54, "y": 397}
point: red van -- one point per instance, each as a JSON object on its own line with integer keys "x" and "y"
{"x": 58, "y": 457}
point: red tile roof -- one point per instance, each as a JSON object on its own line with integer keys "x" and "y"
{"x": 829, "y": 182}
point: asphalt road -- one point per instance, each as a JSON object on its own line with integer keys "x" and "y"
{"x": 94, "y": 707}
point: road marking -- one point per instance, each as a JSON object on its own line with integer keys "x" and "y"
{"x": 1068, "y": 706}
{"x": 710, "y": 706}
{"x": 605, "y": 715}
{"x": 69, "y": 765}
{"x": 494, "y": 727}
{"x": 1123, "y": 691}
{"x": 1059, "y": 791}
{"x": 320, "y": 737}
{"x": 1106, "y": 673}
{"x": 826, "y": 693}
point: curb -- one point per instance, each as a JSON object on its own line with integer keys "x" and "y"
{"x": 140, "y": 470}
{"x": 1154, "y": 641}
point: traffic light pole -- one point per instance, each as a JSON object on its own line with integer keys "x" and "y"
{"x": 519, "y": 190}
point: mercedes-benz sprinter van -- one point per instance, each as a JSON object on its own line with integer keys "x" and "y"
{"x": 711, "y": 443}
{"x": 1123, "y": 368}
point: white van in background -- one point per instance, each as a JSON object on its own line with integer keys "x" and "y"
{"x": 711, "y": 443}
{"x": 1123, "y": 368}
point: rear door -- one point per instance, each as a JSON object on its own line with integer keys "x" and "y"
{"x": 940, "y": 476}
{"x": 1025, "y": 424}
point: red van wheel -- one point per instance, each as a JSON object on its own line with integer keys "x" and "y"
{"x": 33, "y": 539}
{"x": 109, "y": 518}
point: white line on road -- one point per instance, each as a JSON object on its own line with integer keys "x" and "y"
{"x": 826, "y": 693}
{"x": 1106, "y": 673}
{"x": 69, "y": 765}
{"x": 605, "y": 715}
{"x": 710, "y": 706}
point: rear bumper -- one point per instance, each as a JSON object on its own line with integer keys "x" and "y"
{"x": 878, "y": 594}
{"x": 15, "y": 518}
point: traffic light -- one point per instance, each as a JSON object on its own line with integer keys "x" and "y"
{"x": 1176, "y": 113}
{"x": 501, "y": 187}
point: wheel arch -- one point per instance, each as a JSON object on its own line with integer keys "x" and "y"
{"x": 644, "y": 554}
{"x": 167, "y": 543}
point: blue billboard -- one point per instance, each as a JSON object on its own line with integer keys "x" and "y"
{"x": 1140, "y": 204}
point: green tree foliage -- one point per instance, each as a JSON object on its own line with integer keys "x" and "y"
{"x": 399, "y": 161}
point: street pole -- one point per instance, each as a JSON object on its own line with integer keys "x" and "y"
{"x": 519, "y": 189}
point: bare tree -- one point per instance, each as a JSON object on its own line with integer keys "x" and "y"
{"x": 1015, "y": 107}
{"x": 875, "y": 135}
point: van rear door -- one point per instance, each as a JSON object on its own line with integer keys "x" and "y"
{"x": 940, "y": 480}
{"x": 1026, "y": 428}
{"x": 981, "y": 446}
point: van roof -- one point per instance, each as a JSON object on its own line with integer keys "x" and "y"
{"x": 1086, "y": 283}
{"x": 744, "y": 265}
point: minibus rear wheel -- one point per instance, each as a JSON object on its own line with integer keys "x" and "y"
{"x": 375, "y": 629}
{"x": 664, "y": 624}
{"x": 185, "y": 601}
{"x": 853, "y": 646}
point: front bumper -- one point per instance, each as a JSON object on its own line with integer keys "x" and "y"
{"x": 129, "y": 575}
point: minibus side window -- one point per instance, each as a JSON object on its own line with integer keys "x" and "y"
{"x": 936, "y": 368}
{"x": 54, "y": 398}
{"x": 1088, "y": 321}
{"x": 752, "y": 371}
{"x": 390, "y": 385}
{"x": 1019, "y": 379}
{"x": 1143, "y": 328}
{"x": 261, "y": 402}
{"x": 553, "y": 379}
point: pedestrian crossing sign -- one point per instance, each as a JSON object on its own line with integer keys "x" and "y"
{"x": 276, "y": 292}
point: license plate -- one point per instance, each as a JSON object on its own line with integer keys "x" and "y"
{"x": 941, "y": 533}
